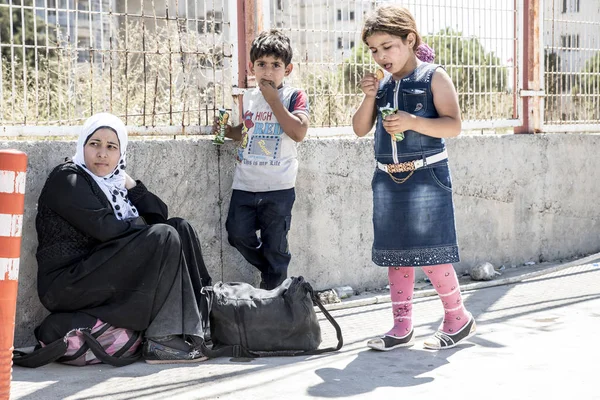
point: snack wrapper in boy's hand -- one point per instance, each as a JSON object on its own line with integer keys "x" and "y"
{"x": 223, "y": 119}
{"x": 387, "y": 110}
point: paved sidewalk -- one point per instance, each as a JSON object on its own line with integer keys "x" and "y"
{"x": 536, "y": 340}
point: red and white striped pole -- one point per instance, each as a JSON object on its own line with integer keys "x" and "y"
{"x": 13, "y": 167}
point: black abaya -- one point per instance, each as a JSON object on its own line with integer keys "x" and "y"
{"x": 131, "y": 275}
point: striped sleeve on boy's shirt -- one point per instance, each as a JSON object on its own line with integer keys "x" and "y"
{"x": 299, "y": 103}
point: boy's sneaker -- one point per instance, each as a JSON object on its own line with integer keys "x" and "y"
{"x": 155, "y": 351}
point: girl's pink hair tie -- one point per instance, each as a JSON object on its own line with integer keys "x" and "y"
{"x": 425, "y": 53}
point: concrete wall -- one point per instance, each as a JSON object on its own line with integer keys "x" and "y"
{"x": 518, "y": 198}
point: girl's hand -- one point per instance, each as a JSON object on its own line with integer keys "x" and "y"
{"x": 369, "y": 85}
{"x": 129, "y": 182}
{"x": 399, "y": 122}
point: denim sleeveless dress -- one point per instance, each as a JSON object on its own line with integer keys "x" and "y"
{"x": 413, "y": 221}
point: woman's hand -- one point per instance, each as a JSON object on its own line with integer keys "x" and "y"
{"x": 369, "y": 85}
{"x": 399, "y": 122}
{"x": 129, "y": 182}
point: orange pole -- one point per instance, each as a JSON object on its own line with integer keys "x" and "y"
{"x": 250, "y": 24}
{"x": 531, "y": 64}
{"x": 13, "y": 167}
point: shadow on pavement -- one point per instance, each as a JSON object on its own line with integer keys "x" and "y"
{"x": 371, "y": 370}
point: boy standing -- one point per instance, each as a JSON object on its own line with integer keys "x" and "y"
{"x": 274, "y": 119}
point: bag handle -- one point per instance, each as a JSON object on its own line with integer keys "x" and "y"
{"x": 40, "y": 355}
{"x": 84, "y": 347}
{"x": 56, "y": 350}
{"x": 338, "y": 330}
{"x": 238, "y": 351}
{"x": 106, "y": 358}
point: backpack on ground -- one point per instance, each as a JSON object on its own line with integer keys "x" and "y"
{"x": 80, "y": 339}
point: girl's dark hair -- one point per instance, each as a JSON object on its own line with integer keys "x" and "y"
{"x": 393, "y": 20}
{"x": 271, "y": 43}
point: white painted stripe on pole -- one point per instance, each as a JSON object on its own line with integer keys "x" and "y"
{"x": 12, "y": 182}
{"x": 11, "y": 225}
{"x": 7, "y": 181}
{"x": 20, "y": 182}
{"x": 9, "y": 269}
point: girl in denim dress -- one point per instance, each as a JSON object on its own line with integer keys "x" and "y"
{"x": 414, "y": 106}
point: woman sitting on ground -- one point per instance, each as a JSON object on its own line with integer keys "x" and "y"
{"x": 107, "y": 248}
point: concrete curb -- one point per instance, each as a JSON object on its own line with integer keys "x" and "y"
{"x": 468, "y": 287}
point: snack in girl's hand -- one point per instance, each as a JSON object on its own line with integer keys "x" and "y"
{"x": 223, "y": 119}
{"x": 379, "y": 74}
{"x": 388, "y": 110}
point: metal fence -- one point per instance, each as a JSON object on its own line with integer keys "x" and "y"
{"x": 172, "y": 63}
{"x": 153, "y": 62}
{"x": 572, "y": 64}
{"x": 474, "y": 40}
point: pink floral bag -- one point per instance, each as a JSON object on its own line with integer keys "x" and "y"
{"x": 81, "y": 345}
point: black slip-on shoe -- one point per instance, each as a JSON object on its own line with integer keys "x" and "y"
{"x": 442, "y": 340}
{"x": 388, "y": 342}
{"x": 157, "y": 353}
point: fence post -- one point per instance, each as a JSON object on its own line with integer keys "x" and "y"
{"x": 13, "y": 167}
{"x": 249, "y": 23}
{"x": 531, "y": 93}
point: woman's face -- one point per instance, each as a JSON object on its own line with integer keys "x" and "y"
{"x": 101, "y": 153}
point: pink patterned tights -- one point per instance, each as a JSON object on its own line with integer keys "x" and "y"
{"x": 444, "y": 280}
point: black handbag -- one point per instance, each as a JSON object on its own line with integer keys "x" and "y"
{"x": 250, "y": 322}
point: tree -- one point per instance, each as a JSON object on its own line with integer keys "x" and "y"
{"x": 589, "y": 80}
{"x": 471, "y": 67}
{"x": 480, "y": 79}
{"x": 22, "y": 22}
{"x": 586, "y": 90}
{"x": 554, "y": 80}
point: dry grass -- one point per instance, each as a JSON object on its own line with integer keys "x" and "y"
{"x": 161, "y": 78}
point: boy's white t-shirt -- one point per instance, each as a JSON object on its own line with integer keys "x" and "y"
{"x": 267, "y": 156}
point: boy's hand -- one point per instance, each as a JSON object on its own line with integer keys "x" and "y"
{"x": 369, "y": 85}
{"x": 399, "y": 122}
{"x": 268, "y": 90}
{"x": 217, "y": 127}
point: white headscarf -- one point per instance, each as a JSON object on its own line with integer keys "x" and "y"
{"x": 113, "y": 184}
